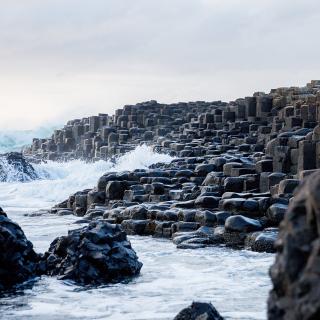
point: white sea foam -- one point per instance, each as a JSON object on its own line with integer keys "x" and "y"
{"x": 140, "y": 158}
{"x": 60, "y": 179}
{"x": 11, "y": 172}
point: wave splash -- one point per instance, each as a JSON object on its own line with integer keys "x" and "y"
{"x": 14, "y": 167}
{"x": 140, "y": 158}
{"x": 60, "y": 179}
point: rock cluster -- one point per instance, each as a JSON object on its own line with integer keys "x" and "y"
{"x": 295, "y": 274}
{"x": 18, "y": 260}
{"x": 96, "y": 254}
{"x": 237, "y": 165}
{"x": 280, "y": 122}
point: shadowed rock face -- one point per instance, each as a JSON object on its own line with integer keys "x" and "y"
{"x": 296, "y": 272}
{"x": 18, "y": 260}
{"x": 14, "y": 167}
{"x": 97, "y": 254}
{"x": 199, "y": 311}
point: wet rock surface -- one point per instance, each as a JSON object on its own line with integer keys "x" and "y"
{"x": 96, "y": 254}
{"x": 295, "y": 273}
{"x": 198, "y": 311}
{"x": 18, "y": 261}
{"x": 15, "y": 167}
{"x": 236, "y": 164}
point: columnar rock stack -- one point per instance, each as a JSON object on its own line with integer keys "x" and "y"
{"x": 104, "y": 136}
{"x": 189, "y": 129}
{"x": 236, "y": 168}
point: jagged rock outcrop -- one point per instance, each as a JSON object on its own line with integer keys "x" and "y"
{"x": 96, "y": 254}
{"x": 296, "y": 272}
{"x": 15, "y": 167}
{"x": 199, "y": 311}
{"x": 18, "y": 261}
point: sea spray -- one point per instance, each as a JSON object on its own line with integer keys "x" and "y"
{"x": 60, "y": 179}
{"x": 140, "y": 158}
{"x": 14, "y": 167}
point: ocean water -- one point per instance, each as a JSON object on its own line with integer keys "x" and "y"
{"x": 235, "y": 281}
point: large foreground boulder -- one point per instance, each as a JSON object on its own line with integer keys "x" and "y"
{"x": 199, "y": 311}
{"x": 15, "y": 167}
{"x": 18, "y": 260}
{"x": 296, "y": 272}
{"x": 96, "y": 254}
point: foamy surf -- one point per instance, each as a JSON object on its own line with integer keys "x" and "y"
{"x": 60, "y": 179}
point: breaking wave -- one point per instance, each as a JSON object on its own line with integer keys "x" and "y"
{"x": 60, "y": 179}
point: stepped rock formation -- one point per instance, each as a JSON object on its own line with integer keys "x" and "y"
{"x": 296, "y": 272}
{"x": 236, "y": 166}
{"x": 194, "y": 128}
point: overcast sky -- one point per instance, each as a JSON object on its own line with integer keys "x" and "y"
{"x": 62, "y": 59}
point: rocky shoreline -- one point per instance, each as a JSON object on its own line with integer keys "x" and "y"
{"x": 235, "y": 170}
{"x": 233, "y": 181}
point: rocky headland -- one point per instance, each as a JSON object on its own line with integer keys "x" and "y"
{"x": 235, "y": 169}
{"x": 235, "y": 179}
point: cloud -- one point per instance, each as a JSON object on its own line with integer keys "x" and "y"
{"x": 59, "y": 58}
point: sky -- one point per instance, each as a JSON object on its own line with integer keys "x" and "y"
{"x": 65, "y": 59}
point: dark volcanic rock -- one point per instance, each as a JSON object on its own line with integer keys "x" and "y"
{"x": 295, "y": 274}
{"x": 235, "y": 165}
{"x": 18, "y": 260}
{"x": 262, "y": 241}
{"x": 276, "y": 213}
{"x": 240, "y": 223}
{"x": 15, "y": 167}
{"x": 97, "y": 254}
{"x": 203, "y": 237}
{"x": 199, "y": 311}
{"x": 207, "y": 202}
{"x": 2, "y": 213}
